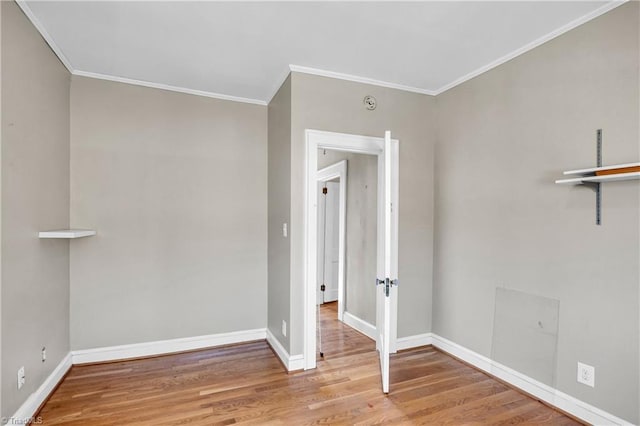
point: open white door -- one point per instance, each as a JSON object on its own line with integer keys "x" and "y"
{"x": 387, "y": 280}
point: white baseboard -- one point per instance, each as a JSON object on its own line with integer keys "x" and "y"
{"x": 546, "y": 393}
{"x": 414, "y": 341}
{"x": 29, "y": 408}
{"x": 361, "y": 325}
{"x": 331, "y": 295}
{"x": 291, "y": 363}
{"x": 163, "y": 347}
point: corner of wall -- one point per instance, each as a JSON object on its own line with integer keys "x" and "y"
{"x": 279, "y": 205}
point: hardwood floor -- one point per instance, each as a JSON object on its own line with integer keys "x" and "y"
{"x": 246, "y": 384}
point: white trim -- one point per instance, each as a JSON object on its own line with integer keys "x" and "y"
{"x": 316, "y": 71}
{"x": 332, "y": 295}
{"x": 65, "y": 61}
{"x": 546, "y": 393}
{"x": 532, "y": 45}
{"x": 314, "y": 140}
{"x": 45, "y": 35}
{"x": 168, "y": 87}
{"x": 163, "y": 347}
{"x": 339, "y": 170}
{"x": 361, "y": 325}
{"x": 291, "y": 363}
{"x": 415, "y": 341}
{"x": 359, "y": 79}
{"x": 29, "y": 408}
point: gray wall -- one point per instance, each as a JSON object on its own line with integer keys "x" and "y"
{"x": 176, "y": 187}
{"x": 279, "y": 207}
{"x": 35, "y": 197}
{"x": 361, "y": 242}
{"x": 503, "y": 138}
{"x": 336, "y": 105}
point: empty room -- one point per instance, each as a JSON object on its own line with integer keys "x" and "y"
{"x": 325, "y": 212}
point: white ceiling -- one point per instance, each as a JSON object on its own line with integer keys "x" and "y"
{"x": 245, "y": 49}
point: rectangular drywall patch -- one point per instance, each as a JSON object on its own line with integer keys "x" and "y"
{"x": 525, "y": 333}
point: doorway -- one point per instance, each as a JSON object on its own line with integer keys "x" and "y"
{"x": 332, "y": 231}
{"x": 386, "y": 151}
{"x": 357, "y": 263}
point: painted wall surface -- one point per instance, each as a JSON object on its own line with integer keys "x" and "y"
{"x": 503, "y": 138}
{"x": 322, "y": 103}
{"x": 279, "y": 153}
{"x": 35, "y": 197}
{"x": 176, "y": 186}
{"x": 361, "y": 237}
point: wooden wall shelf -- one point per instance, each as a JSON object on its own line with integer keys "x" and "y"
{"x": 582, "y": 176}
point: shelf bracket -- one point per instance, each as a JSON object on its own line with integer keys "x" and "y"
{"x": 598, "y": 186}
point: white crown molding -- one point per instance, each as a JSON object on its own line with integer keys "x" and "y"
{"x": 315, "y": 71}
{"x": 30, "y": 407}
{"x": 524, "y": 49}
{"x": 163, "y": 347}
{"x": 546, "y": 393}
{"x": 60, "y": 54}
{"x": 43, "y": 32}
{"x": 291, "y": 363}
{"x": 358, "y": 79}
{"x": 168, "y": 87}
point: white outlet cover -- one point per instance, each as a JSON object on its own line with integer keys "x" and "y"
{"x": 586, "y": 374}
{"x": 21, "y": 377}
{"x": 284, "y": 328}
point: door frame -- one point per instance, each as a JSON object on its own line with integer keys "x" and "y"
{"x": 314, "y": 140}
{"x": 339, "y": 170}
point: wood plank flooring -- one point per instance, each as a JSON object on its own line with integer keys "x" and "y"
{"x": 246, "y": 384}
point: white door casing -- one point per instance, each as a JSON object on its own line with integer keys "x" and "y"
{"x": 328, "y": 241}
{"x": 339, "y": 170}
{"x": 358, "y": 144}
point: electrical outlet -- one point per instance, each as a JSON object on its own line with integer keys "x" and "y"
{"x": 21, "y": 377}
{"x": 284, "y": 328}
{"x": 44, "y": 354}
{"x": 586, "y": 374}
{"x": 285, "y": 231}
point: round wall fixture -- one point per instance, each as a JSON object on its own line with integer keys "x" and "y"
{"x": 369, "y": 102}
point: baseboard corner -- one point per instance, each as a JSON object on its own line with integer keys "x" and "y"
{"x": 360, "y": 325}
{"x": 414, "y": 341}
{"x": 529, "y": 385}
{"x": 32, "y": 404}
{"x": 290, "y": 363}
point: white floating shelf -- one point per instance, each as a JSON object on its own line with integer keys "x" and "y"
{"x": 603, "y": 178}
{"x": 67, "y": 233}
{"x": 599, "y": 169}
{"x": 588, "y": 175}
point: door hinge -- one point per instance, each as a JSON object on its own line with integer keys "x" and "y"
{"x": 323, "y": 287}
{"x": 324, "y": 190}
